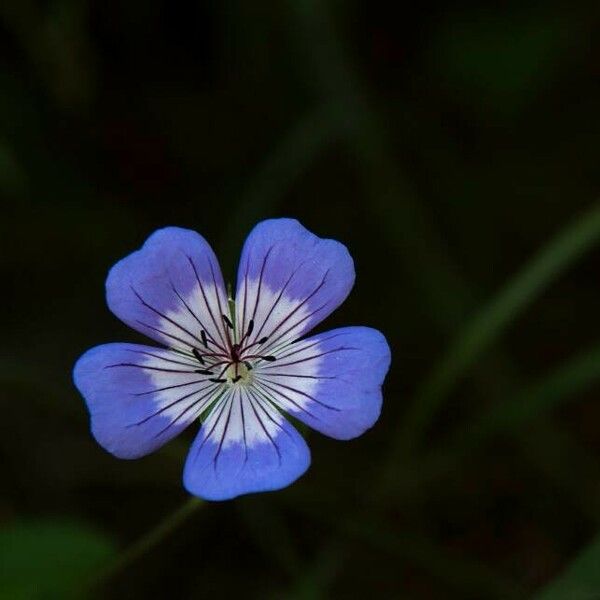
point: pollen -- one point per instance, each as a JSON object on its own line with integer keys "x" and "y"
{"x": 239, "y": 374}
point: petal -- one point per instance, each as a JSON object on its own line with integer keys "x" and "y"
{"x": 244, "y": 446}
{"x": 139, "y": 397}
{"x": 289, "y": 280}
{"x": 331, "y": 381}
{"x": 171, "y": 289}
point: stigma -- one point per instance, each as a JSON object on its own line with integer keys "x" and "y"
{"x": 233, "y": 362}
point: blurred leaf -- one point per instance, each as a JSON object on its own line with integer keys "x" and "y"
{"x": 317, "y": 578}
{"x": 292, "y": 155}
{"x": 471, "y": 578}
{"x": 535, "y": 401}
{"x": 12, "y": 176}
{"x": 48, "y": 559}
{"x": 509, "y": 416}
{"x": 55, "y": 41}
{"x": 499, "y": 59}
{"x": 568, "y": 463}
{"x": 148, "y": 542}
{"x": 270, "y": 533}
{"x": 581, "y": 580}
{"x": 493, "y": 320}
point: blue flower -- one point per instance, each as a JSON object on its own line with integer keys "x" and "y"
{"x": 236, "y": 365}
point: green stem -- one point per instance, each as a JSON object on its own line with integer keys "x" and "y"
{"x": 147, "y": 542}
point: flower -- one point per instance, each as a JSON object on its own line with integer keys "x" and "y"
{"x": 238, "y": 365}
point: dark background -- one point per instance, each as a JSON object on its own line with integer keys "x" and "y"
{"x": 445, "y": 144}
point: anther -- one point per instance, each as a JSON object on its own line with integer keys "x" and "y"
{"x": 250, "y": 327}
{"x": 204, "y": 340}
{"x": 263, "y": 340}
{"x": 218, "y": 380}
{"x": 227, "y": 321}
{"x": 197, "y": 354}
{"x": 236, "y": 379}
{"x": 269, "y": 358}
{"x": 248, "y": 365}
{"x": 203, "y": 371}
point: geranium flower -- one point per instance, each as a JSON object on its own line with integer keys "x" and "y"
{"x": 237, "y": 365}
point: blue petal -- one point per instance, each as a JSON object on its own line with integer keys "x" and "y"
{"x": 139, "y": 397}
{"x": 331, "y": 381}
{"x": 171, "y": 289}
{"x": 244, "y": 446}
{"x": 289, "y": 280}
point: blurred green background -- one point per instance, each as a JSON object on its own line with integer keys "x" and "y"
{"x": 453, "y": 146}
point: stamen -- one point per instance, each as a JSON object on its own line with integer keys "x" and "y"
{"x": 268, "y": 358}
{"x": 197, "y": 354}
{"x": 227, "y": 321}
{"x": 258, "y": 343}
{"x": 248, "y": 332}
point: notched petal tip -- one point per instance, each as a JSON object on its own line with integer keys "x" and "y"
{"x": 332, "y": 381}
{"x": 245, "y": 446}
{"x": 138, "y": 397}
{"x": 289, "y": 279}
{"x": 170, "y": 289}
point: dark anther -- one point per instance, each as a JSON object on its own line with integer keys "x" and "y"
{"x": 248, "y": 365}
{"x": 269, "y": 358}
{"x": 203, "y": 371}
{"x": 197, "y": 354}
{"x": 227, "y": 321}
{"x": 218, "y": 380}
{"x": 236, "y": 379}
{"x": 204, "y": 340}
{"x": 263, "y": 340}
{"x": 250, "y": 327}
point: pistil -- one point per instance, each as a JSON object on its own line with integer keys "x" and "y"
{"x": 236, "y": 357}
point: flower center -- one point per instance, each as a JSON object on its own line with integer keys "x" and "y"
{"x": 234, "y": 361}
{"x": 239, "y": 373}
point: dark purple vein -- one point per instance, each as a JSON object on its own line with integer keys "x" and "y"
{"x": 210, "y": 312}
{"x": 148, "y": 367}
{"x": 180, "y": 416}
{"x": 302, "y": 393}
{"x": 223, "y": 402}
{"x": 169, "y": 319}
{"x": 169, "y": 405}
{"x": 170, "y": 387}
{"x": 204, "y": 328}
{"x": 293, "y": 312}
{"x": 263, "y": 425}
{"x": 260, "y": 280}
{"x": 301, "y": 408}
{"x": 169, "y": 360}
{"x": 225, "y": 429}
{"x": 301, "y": 360}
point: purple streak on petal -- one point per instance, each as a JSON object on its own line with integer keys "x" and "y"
{"x": 246, "y": 447}
{"x": 317, "y": 271}
{"x": 146, "y": 288}
{"x": 127, "y": 418}
{"x": 342, "y": 399}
